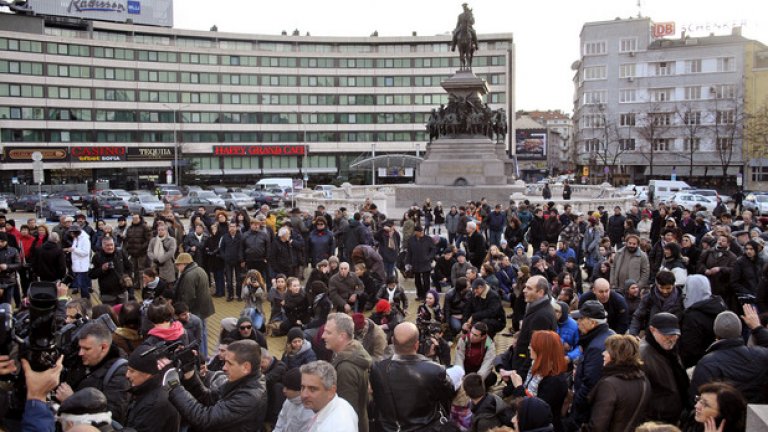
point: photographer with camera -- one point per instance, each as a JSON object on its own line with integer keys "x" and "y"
{"x": 150, "y": 409}
{"x": 112, "y": 268}
{"x": 105, "y": 370}
{"x": 238, "y": 405}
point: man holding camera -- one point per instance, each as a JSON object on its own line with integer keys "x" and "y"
{"x": 104, "y": 369}
{"x": 150, "y": 409}
{"x": 112, "y": 268}
{"x": 238, "y": 405}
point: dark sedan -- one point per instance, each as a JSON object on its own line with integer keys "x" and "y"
{"x": 77, "y": 198}
{"x": 54, "y": 208}
{"x": 111, "y": 206}
{"x": 25, "y": 203}
{"x": 187, "y": 206}
{"x": 265, "y": 197}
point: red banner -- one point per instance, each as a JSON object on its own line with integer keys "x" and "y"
{"x": 258, "y": 150}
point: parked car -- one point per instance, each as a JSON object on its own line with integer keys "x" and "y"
{"x": 142, "y": 192}
{"x": 265, "y": 197}
{"x": 4, "y": 205}
{"x": 756, "y": 202}
{"x": 25, "y": 203}
{"x": 53, "y": 208}
{"x": 688, "y": 201}
{"x": 111, "y": 206}
{"x": 145, "y": 204}
{"x": 187, "y": 206}
{"x": 219, "y": 190}
{"x": 285, "y": 193}
{"x": 121, "y": 193}
{"x": 209, "y": 195}
{"x": 73, "y": 196}
{"x": 237, "y": 200}
{"x": 170, "y": 195}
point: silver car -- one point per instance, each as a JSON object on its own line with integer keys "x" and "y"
{"x": 238, "y": 200}
{"x": 145, "y": 204}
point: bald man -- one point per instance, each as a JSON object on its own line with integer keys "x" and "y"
{"x": 539, "y": 315}
{"x": 421, "y": 385}
{"x": 614, "y": 303}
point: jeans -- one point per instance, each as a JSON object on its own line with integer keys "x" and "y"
{"x": 204, "y": 340}
{"x": 495, "y": 237}
{"x": 455, "y": 324}
{"x": 218, "y": 280}
{"x": 232, "y": 273}
{"x": 389, "y": 269}
{"x": 83, "y": 283}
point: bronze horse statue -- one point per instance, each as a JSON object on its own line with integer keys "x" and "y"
{"x": 466, "y": 47}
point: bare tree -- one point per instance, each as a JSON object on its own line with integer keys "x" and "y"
{"x": 652, "y": 125}
{"x": 606, "y": 148}
{"x": 728, "y": 127}
{"x": 690, "y": 118}
{"x": 756, "y": 133}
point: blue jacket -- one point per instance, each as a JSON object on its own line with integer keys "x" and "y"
{"x": 38, "y": 417}
{"x": 496, "y": 221}
{"x": 567, "y": 254}
{"x": 506, "y": 277}
{"x": 322, "y": 245}
{"x": 589, "y": 371}
{"x": 569, "y": 334}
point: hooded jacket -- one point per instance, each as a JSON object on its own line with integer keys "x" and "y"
{"x": 304, "y": 356}
{"x": 49, "y": 262}
{"x": 293, "y": 416}
{"x": 353, "y": 365}
{"x": 589, "y": 371}
{"x": 488, "y": 413}
{"x": 732, "y": 361}
{"x": 696, "y": 328}
{"x": 535, "y": 415}
{"x": 173, "y": 333}
{"x": 653, "y": 303}
{"x": 193, "y": 289}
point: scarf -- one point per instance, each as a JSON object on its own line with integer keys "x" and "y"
{"x": 391, "y": 294}
{"x": 532, "y": 384}
{"x": 673, "y": 361}
{"x": 668, "y": 304}
{"x": 159, "y": 250}
{"x": 391, "y": 242}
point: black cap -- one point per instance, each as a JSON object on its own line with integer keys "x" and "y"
{"x": 590, "y": 309}
{"x": 88, "y": 400}
{"x": 418, "y": 228}
{"x": 666, "y": 323}
{"x": 143, "y": 362}
{"x": 3, "y": 236}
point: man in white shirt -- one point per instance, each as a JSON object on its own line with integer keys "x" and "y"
{"x": 318, "y": 393}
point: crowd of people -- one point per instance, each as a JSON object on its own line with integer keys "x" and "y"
{"x": 641, "y": 319}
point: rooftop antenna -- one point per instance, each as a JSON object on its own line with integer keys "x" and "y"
{"x": 639, "y": 8}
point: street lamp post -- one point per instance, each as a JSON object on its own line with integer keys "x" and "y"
{"x": 176, "y": 142}
{"x": 373, "y": 163}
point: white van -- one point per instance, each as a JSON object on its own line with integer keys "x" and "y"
{"x": 660, "y": 191}
{"x": 274, "y": 182}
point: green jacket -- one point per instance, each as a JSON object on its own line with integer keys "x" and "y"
{"x": 192, "y": 289}
{"x": 353, "y": 365}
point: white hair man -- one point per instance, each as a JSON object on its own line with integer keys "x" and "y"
{"x": 318, "y": 393}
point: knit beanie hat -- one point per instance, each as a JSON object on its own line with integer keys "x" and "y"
{"x": 295, "y": 333}
{"x": 359, "y": 320}
{"x": 533, "y": 413}
{"x": 383, "y": 307}
{"x": 244, "y": 319}
{"x": 142, "y": 362}
{"x": 727, "y": 325}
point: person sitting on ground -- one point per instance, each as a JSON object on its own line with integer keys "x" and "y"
{"x": 488, "y": 410}
{"x": 298, "y": 351}
{"x": 294, "y": 416}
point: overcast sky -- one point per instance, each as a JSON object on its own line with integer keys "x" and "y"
{"x": 546, "y": 32}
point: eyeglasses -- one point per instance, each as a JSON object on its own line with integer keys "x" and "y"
{"x": 703, "y": 401}
{"x": 246, "y": 327}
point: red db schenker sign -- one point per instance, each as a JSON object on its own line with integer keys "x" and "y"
{"x": 258, "y": 150}
{"x": 663, "y": 29}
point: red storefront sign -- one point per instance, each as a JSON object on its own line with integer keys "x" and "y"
{"x": 96, "y": 153}
{"x": 258, "y": 150}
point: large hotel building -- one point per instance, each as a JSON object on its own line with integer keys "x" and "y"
{"x": 120, "y": 102}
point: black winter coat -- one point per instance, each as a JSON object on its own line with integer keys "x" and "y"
{"x": 116, "y": 390}
{"x": 409, "y": 391}
{"x": 745, "y": 277}
{"x": 476, "y": 249}
{"x": 615, "y": 228}
{"x": 538, "y": 316}
{"x": 110, "y": 280}
{"x": 49, "y": 262}
{"x": 420, "y": 253}
{"x": 150, "y": 410}
{"x": 697, "y": 329}
{"x": 732, "y": 361}
{"x": 238, "y": 406}
{"x": 488, "y": 310}
{"x": 231, "y": 248}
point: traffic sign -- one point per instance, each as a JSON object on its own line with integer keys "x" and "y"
{"x": 37, "y": 156}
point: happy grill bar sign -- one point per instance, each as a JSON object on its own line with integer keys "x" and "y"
{"x": 258, "y": 150}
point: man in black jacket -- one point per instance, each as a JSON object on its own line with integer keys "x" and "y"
{"x": 237, "y": 406}
{"x": 149, "y": 410}
{"x": 539, "y": 315}
{"x": 109, "y": 267}
{"x": 103, "y": 369}
{"x": 256, "y": 249}
{"x": 418, "y": 258}
{"x": 231, "y": 252}
{"x": 476, "y": 248}
{"x": 484, "y": 305}
{"x": 614, "y": 303}
{"x": 421, "y": 386}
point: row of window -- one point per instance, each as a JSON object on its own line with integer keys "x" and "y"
{"x": 130, "y": 116}
{"x": 685, "y": 117}
{"x": 596, "y": 145}
{"x": 77, "y": 50}
{"x": 662, "y": 68}
{"x": 664, "y": 94}
{"x": 261, "y": 162}
{"x": 143, "y": 75}
{"x": 189, "y": 42}
{"x": 130, "y": 95}
{"x": 87, "y": 136}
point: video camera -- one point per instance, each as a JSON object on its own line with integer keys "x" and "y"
{"x": 35, "y": 329}
{"x": 183, "y": 357}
